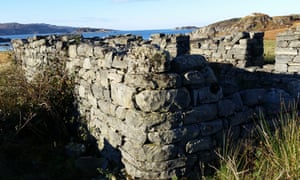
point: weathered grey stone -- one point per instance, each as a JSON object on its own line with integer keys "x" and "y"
{"x": 138, "y": 173}
{"x": 108, "y": 59}
{"x": 297, "y": 59}
{"x": 226, "y": 108}
{"x": 295, "y": 44}
{"x": 281, "y": 67}
{"x": 85, "y": 50}
{"x": 154, "y": 121}
{"x": 153, "y": 81}
{"x": 211, "y": 127}
{"x": 293, "y": 67}
{"x": 147, "y": 58}
{"x": 72, "y": 51}
{"x": 278, "y": 100}
{"x": 120, "y": 62}
{"x": 185, "y": 63}
{"x": 115, "y": 75}
{"x": 207, "y": 94}
{"x": 252, "y": 97}
{"x": 163, "y": 100}
{"x": 99, "y": 52}
{"x": 294, "y": 88}
{"x": 174, "y": 135}
{"x": 155, "y": 166}
{"x": 87, "y": 63}
{"x": 199, "y": 144}
{"x": 151, "y": 152}
{"x": 284, "y": 59}
{"x": 237, "y": 100}
{"x": 107, "y": 107}
{"x": 239, "y": 36}
{"x": 201, "y": 113}
{"x": 121, "y": 112}
{"x": 241, "y": 117}
{"x": 286, "y": 51}
{"x": 122, "y": 95}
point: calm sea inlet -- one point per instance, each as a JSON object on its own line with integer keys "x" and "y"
{"x": 144, "y": 33}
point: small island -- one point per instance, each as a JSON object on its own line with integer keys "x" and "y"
{"x": 186, "y": 27}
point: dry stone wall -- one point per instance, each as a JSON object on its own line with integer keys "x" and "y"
{"x": 164, "y": 110}
{"x": 288, "y": 51}
{"x": 243, "y": 49}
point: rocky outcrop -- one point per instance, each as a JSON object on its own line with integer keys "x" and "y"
{"x": 152, "y": 105}
{"x": 253, "y": 22}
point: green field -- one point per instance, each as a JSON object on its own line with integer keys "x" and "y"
{"x": 269, "y": 51}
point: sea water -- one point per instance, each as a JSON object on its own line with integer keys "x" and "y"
{"x": 144, "y": 33}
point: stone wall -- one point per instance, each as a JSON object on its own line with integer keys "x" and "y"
{"x": 288, "y": 51}
{"x": 242, "y": 49}
{"x": 151, "y": 104}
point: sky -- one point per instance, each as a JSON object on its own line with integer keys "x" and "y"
{"x": 138, "y": 14}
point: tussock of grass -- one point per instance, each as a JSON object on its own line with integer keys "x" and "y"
{"x": 276, "y": 156}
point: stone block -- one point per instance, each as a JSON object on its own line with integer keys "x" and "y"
{"x": 122, "y": 95}
{"x": 282, "y": 44}
{"x": 252, "y": 97}
{"x": 151, "y": 152}
{"x": 72, "y": 52}
{"x": 294, "y": 88}
{"x": 155, "y": 166}
{"x": 199, "y": 144}
{"x": 153, "y": 81}
{"x": 147, "y": 58}
{"x": 193, "y": 77}
{"x": 153, "y": 121}
{"x": 284, "y": 59}
{"x": 297, "y": 59}
{"x": 294, "y": 68}
{"x": 85, "y": 50}
{"x": 173, "y": 135}
{"x": 211, "y": 127}
{"x": 226, "y": 108}
{"x": 115, "y": 75}
{"x": 206, "y": 95}
{"x": 107, "y": 107}
{"x": 241, "y": 117}
{"x": 163, "y": 100}
{"x": 239, "y": 36}
{"x": 201, "y": 113}
{"x": 281, "y": 67}
{"x": 120, "y": 62}
{"x": 99, "y": 52}
{"x": 286, "y": 51}
{"x": 185, "y": 63}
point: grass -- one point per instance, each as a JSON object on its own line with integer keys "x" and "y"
{"x": 269, "y": 51}
{"x": 276, "y": 156}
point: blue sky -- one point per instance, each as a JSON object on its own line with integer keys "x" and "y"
{"x": 138, "y": 14}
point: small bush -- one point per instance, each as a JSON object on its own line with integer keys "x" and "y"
{"x": 42, "y": 107}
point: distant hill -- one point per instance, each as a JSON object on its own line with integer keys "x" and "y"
{"x": 16, "y": 28}
{"x": 253, "y": 22}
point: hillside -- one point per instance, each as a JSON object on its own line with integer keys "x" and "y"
{"x": 16, "y": 28}
{"x": 254, "y": 22}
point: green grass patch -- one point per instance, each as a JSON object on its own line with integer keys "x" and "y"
{"x": 269, "y": 51}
